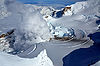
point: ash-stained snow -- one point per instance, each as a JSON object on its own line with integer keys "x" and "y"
{"x": 5, "y": 46}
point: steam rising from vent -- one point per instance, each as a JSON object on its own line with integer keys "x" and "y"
{"x": 34, "y": 29}
{"x": 3, "y": 10}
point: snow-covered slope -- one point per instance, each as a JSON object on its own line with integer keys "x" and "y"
{"x": 20, "y": 13}
{"x": 13, "y": 60}
{"x": 35, "y": 24}
{"x": 76, "y": 18}
{"x": 96, "y": 64}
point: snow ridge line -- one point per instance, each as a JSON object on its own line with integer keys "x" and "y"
{"x": 85, "y": 42}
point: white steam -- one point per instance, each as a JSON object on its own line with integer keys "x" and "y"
{"x": 34, "y": 27}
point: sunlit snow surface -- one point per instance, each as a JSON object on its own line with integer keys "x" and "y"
{"x": 32, "y": 28}
{"x": 13, "y": 60}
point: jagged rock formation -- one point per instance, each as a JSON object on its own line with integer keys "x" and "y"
{"x": 7, "y": 34}
{"x": 66, "y": 9}
{"x": 6, "y": 41}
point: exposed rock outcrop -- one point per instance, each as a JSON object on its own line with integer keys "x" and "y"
{"x": 66, "y": 9}
{"x": 7, "y": 40}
